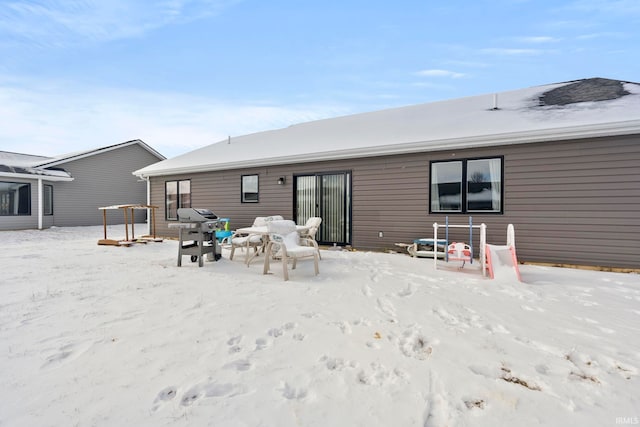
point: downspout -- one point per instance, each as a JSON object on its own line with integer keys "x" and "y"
{"x": 149, "y": 213}
{"x": 39, "y": 203}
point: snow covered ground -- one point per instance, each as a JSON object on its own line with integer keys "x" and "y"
{"x": 112, "y": 336}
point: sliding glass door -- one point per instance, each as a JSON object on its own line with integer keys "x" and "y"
{"x": 328, "y": 196}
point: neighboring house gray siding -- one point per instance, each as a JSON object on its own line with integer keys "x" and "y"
{"x": 102, "y": 179}
{"x": 571, "y": 202}
{"x": 82, "y": 182}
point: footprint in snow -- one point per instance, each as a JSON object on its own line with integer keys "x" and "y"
{"x": 275, "y": 332}
{"x": 289, "y": 326}
{"x": 278, "y": 332}
{"x": 191, "y": 395}
{"x": 406, "y": 292}
{"x": 387, "y": 308}
{"x": 165, "y": 395}
{"x": 224, "y": 390}
{"x": 290, "y": 392}
{"x": 261, "y": 343}
{"x": 66, "y": 353}
{"x": 344, "y": 327}
{"x": 378, "y": 375}
{"x": 239, "y": 365}
{"x": 299, "y": 337}
{"x": 414, "y": 344}
{"x": 199, "y": 391}
{"x": 235, "y": 340}
{"x": 234, "y": 344}
{"x": 337, "y": 363}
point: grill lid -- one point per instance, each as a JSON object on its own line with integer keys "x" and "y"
{"x": 196, "y": 215}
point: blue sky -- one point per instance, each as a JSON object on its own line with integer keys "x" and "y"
{"x": 181, "y": 74}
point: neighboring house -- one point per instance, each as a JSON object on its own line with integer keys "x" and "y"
{"x": 40, "y": 192}
{"x": 561, "y": 162}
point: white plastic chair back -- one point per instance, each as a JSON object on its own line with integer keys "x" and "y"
{"x": 281, "y": 229}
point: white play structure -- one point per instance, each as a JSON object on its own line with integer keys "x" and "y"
{"x": 497, "y": 260}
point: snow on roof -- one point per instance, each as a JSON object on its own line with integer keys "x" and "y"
{"x": 30, "y": 173}
{"x": 21, "y": 160}
{"x": 17, "y": 165}
{"x": 521, "y": 116}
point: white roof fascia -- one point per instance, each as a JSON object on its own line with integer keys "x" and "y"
{"x": 36, "y": 176}
{"x": 511, "y": 138}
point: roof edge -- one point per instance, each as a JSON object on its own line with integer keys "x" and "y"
{"x": 554, "y": 134}
{"x": 36, "y": 177}
{"x": 101, "y": 150}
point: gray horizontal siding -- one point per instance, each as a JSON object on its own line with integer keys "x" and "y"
{"x": 572, "y": 202}
{"x": 576, "y": 202}
{"x": 103, "y": 179}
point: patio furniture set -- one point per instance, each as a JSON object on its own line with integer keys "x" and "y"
{"x": 274, "y": 236}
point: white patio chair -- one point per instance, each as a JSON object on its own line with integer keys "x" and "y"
{"x": 284, "y": 239}
{"x": 314, "y": 224}
{"x": 248, "y": 241}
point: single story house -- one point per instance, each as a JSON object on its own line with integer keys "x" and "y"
{"x": 561, "y": 162}
{"x": 67, "y": 190}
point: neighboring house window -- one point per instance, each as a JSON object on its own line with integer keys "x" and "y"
{"x": 48, "y": 200}
{"x": 465, "y": 186}
{"x": 177, "y": 195}
{"x": 15, "y": 198}
{"x": 250, "y": 189}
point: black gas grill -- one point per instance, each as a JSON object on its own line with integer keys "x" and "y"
{"x": 197, "y": 235}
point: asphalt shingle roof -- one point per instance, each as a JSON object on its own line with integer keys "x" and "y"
{"x": 587, "y": 90}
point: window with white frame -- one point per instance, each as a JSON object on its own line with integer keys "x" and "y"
{"x": 250, "y": 192}
{"x": 465, "y": 186}
{"x": 177, "y": 195}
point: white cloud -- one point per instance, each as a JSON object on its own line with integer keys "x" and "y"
{"x": 62, "y": 22}
{"x": 512, "y": 51}
{"x": 600, "y": 35}
{"x": 538, "y": 39}
{"x": 52, "y": 119}
{"x": 440, "y": 73}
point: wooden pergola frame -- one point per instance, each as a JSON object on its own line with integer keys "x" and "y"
{"x": 128, "y": 211}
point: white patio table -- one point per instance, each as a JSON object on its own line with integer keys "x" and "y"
{"x": 264, "y": 232}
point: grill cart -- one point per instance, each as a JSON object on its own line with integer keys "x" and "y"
{"x": 197, "y": 229}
